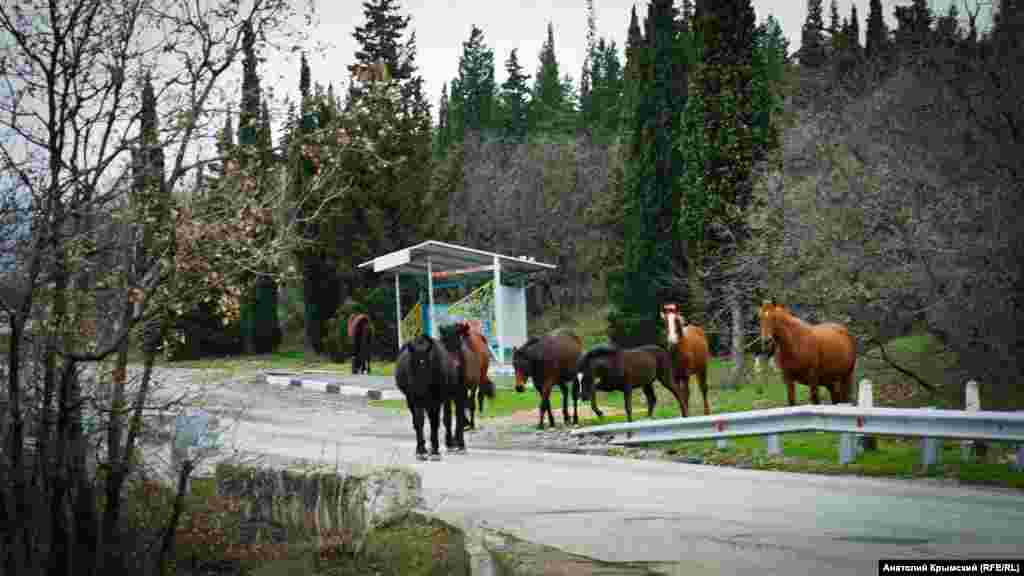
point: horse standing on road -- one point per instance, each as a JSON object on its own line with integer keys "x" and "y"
{"x": 425, "y": 373}
{"x": 360, "y": 334}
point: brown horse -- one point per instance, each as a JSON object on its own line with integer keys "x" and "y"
{"x": 813, "y": 354}
{"x": 625, "y": 369}
{"x": 690, "y": 355}
{"x": 360, "y": 333}
{"x": 549, "y": 360}
{"x": 469, "y": 348}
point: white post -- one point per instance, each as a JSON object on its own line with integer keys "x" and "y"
{"x": 866, "y": 399}
{"x": 972, "y": 403}
{"x": 757, "y": 364}
{"x": 499, "y": 321}
{"x": 398, "y": 311}
{"x": 430, "y": 299}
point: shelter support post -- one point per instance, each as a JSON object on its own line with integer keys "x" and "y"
{"x": 398, "y": 311}
{"x": 499, "y": 320}
{"x": 430, "y": 299}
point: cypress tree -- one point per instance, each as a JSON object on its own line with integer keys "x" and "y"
{"x": 876, "y": 43}
{"x": 653, "y": 168}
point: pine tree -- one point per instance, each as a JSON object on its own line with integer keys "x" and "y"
{"x": 380, "y": 38}
{"x": 514, "y": 94}
{"x": 838, "y": 29}
{"x": 812, "y": 49}
{"x": 586, "y": 76}
{"x": 476, "y": 84}
{"x": 547, "y": 102}
{"x": 876, "y": 41}
{"x": 442, "y": 134}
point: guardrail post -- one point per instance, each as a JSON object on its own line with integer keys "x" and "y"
{"x": 1019, "y": 465}
{"x": 774, "y": 442}
{"x": 930, "y": 449}
{"x": 847, "y": 443}
{"x": 972, "y": 403}
{"x": 866, "y": 399}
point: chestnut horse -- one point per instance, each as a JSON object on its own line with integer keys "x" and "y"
{"x": 472, "y": 355}
{"x": 813, "y": 354}
{"x": 625, "y": 369}
{"x": 690, "y": 356}
{"x": 549, "y": 360}
{"x": 360, "y": 332}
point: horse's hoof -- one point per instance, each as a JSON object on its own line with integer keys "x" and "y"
{"x": 436, "y": 456}
{"x": 421, "y": 456}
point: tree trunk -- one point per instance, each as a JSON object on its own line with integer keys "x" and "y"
{"x": 736, "y": 309}
{"x": 310, "y": 298}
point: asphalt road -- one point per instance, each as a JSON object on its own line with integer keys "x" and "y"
{"x": 708, "y": 520}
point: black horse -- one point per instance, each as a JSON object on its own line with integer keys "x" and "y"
{"x": 426, "y": 376}
{"x": 360, "y": 333}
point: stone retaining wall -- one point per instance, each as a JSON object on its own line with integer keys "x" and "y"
{"x": 317, "y": 503}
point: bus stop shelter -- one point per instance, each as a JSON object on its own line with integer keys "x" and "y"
{"x": 441, "y": 262}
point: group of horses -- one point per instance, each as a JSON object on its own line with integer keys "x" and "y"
{"x": 817, "y": 355}
{"x": 436, "y": 375}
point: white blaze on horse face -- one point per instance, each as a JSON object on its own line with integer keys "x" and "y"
{"x": 673, "y": 336}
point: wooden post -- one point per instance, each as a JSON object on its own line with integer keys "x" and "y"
{"x": 972, "y": 403}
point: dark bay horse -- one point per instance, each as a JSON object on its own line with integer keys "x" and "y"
{"x": 425, "y": 373}
{"x": 625, "y": 369}
{"x": 690, "y": 356}
{"x": 813, "y": 354}
{"x": 360, "y": 333}
{"x": 472, "y": 355}
{"x": 549, "y": 360}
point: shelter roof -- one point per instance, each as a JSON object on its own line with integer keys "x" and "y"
{"x": 450, "y": 259}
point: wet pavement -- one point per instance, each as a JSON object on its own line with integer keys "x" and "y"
{"x": 701, "y": 519}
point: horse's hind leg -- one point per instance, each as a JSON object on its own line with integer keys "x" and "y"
{"x": 433, "y": 412}
{"x": 575, "y": 401}
{"x": 627, "y": 395}
{"x": 417, "y": 424}
{"x": 565, "y": 402}
{"x": 449, "y": 440}
{"x": 702, "y": 381}
{"x": 651, "y": 399}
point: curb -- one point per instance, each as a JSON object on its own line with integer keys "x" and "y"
{"x": 312, "y": 383}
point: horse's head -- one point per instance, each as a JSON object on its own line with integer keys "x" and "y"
{"x": 770, "y": 315}
{"x": 420, "y": 351}
{"x": 673, "y": 321}
{"x": 522, "y": 366}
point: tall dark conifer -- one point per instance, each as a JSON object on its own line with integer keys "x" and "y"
{"x": 515, "y": 96}
{"x": 812, "y": 47}
{"x": 877, "y": 34}
{"x": 652, "y": 197}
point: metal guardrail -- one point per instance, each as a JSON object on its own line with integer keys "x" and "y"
{"x": 851, "y": 422}
{"x": 923, "y": 423}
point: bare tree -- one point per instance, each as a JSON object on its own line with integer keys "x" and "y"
{"x": 94, "y": 262}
